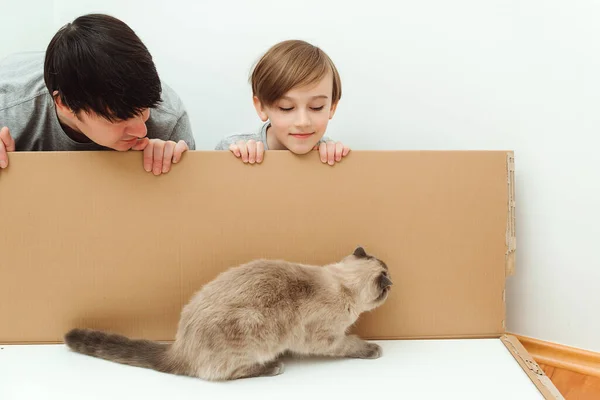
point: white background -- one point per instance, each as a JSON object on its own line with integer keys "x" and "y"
{"x": 522, "y": 75}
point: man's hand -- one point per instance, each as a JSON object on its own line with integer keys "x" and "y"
{"x": 7, "y": 143}
{"x": 158, "y": 154}
{"x": 332, "y": 152}
{"x": 250, "y": 151}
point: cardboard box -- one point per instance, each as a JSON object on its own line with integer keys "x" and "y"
{"x": 92, "y": 240}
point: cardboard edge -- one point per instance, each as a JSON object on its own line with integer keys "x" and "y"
{"x": 531, "y": 368}
{"x": 511, "y": 239}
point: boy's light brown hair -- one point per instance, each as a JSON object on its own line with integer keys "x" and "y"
{"x": 290, "y": 64}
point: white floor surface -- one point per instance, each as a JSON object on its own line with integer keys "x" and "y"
{"x": 478, "y": 369}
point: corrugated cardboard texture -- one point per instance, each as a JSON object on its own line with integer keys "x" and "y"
{"x": 91, "y": 240}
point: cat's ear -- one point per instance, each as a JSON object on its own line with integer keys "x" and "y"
{"x": 359, "y": 252}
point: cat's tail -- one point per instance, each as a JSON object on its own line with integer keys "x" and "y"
{"x": 120, "y": 349}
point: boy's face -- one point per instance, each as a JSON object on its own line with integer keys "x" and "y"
{"x": 299, "y": 118}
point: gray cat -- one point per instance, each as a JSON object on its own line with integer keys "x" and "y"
{"x": 239, "y": 324}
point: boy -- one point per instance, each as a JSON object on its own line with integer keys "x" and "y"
{"x": 95, "y": 88}
{"x": 296, "y": 89}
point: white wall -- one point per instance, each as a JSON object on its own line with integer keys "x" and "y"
{"x": 433, "y": 74}
{"x": 25, "y": 25}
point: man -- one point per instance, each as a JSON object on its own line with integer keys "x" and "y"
{"x": 95, "y": 88}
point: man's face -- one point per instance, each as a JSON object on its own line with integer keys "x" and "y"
{"x": 119, "y": 135}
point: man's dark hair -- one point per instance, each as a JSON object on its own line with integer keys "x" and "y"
{"x": 98, "y": 64}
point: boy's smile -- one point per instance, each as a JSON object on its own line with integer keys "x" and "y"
{"x": 301, "y": 135}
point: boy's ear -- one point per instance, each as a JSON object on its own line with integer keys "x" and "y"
{"x": 332, "y": 110}
{"x": 260, "y": 110}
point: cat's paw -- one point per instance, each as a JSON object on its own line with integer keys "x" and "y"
{"x": 273, "y": 369}
{"x": 371, "y": 350}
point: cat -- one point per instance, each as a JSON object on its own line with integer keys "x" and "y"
{"x": 239, "y": 324}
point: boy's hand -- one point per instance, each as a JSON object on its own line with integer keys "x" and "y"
{"x": 331, "y": 152}
{"x": 7, "y": 143}
{"x": 250, "y": 151}
{"x": 158, "y": 154}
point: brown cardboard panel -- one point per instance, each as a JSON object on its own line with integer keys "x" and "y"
{"x": 90, "y": 239}
{"x": 531, "y": 368}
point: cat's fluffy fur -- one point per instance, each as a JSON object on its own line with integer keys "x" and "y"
{"x": 239, "y": 324}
